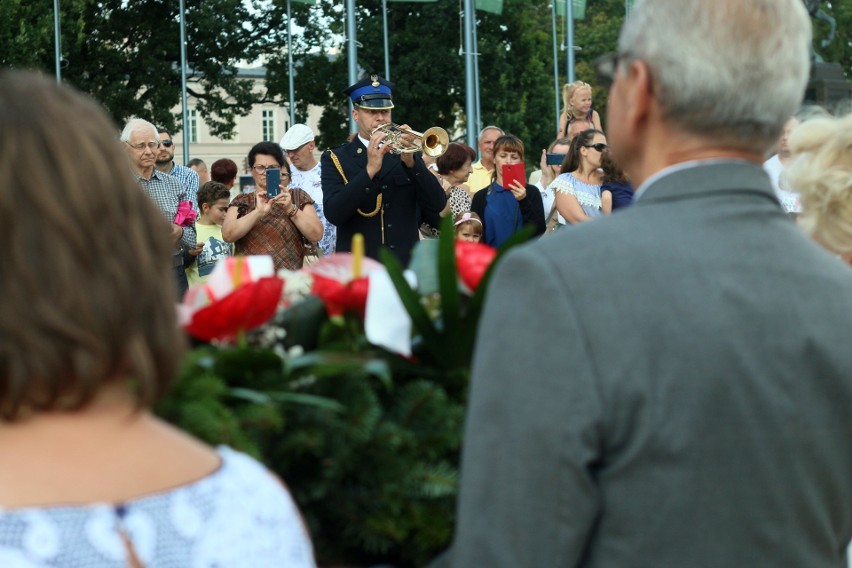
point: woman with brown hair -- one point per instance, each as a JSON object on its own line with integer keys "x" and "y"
{"x": 454, "y": 167}
{"x": 578, "y": 187}
{"x": 88, "y": 475}
{"x": 281, "y": 226}
{"x": 506, "y": 206}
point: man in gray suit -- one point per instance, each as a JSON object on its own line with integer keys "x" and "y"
{"x": 671, "y": 386}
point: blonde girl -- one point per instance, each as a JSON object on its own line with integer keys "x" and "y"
{"x": 468, "y": 227}
{"x": 577, "y": 105}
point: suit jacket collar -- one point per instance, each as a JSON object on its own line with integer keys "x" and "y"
{"x": 707, "y": 176}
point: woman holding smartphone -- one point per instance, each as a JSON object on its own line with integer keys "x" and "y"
{"x": 507, "y": 204}
{"x": 272, "y": 222}
{"x": 578, "y": 187}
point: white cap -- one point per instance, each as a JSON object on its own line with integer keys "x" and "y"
{"x": 297, "y": 135}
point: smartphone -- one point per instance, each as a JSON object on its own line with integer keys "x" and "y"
{"x": 514, "y": 172}
{"x": 273, "y": 180}
{"x": 555, "y": 159}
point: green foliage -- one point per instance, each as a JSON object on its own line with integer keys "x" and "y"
{"x": 367, "y": 441}
{"x": 127, "y": 54}
{"x": 203, "y": 401}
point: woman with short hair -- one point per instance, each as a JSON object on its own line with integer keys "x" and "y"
{"x": 90, "y": 341}
{"x": 821, "y": 171}
{"x": 454, "y": 167}
{"x": 277, "y": 226}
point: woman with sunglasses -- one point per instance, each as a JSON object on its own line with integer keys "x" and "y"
{"x": 277, "y": 226}
{"x": 578, "y": 187}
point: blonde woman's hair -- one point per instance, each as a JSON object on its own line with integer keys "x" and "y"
{"x": 87, "y": 288}
{"x": 821, "y": 171}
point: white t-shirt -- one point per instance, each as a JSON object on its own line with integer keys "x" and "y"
{"x": 311, "y": 183}
{"x": 789, "y": 199}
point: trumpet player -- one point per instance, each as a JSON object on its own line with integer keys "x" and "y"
{"x": 368, "y": 189}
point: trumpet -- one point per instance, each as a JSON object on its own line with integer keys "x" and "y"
{"x": 433, "y": 142}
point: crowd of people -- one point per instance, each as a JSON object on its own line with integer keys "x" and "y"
{"x": 698, "y": 417}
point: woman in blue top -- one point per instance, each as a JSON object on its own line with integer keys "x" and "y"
{"x": 504, "y": 210}
{"x": 578, "y": 187}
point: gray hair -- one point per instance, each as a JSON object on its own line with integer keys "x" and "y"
{"x": 487, "y": 128}
{"x": 138, "y": 125}
{"x": 733, "y": 70}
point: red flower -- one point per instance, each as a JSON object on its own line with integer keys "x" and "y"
{"x": 335, "y": 284}
{"x": 472, "y": 261}
{"x": 340, "y": 297}
{"x": 247, "y": 307}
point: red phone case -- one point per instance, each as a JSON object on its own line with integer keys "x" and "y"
{"x": 514, "y": 172}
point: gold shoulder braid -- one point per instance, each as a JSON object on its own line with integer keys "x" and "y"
{"x": 346, "y": 181}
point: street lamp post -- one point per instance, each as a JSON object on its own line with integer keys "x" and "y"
{"x": 56, "y": 41}
{"x": 183, "y": 82}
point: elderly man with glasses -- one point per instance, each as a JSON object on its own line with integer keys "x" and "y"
{"x": 141, "y": 144}
{"x": 672, "y": 385}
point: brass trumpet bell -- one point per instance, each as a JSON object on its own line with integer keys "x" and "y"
{"x": 433, "y": 142}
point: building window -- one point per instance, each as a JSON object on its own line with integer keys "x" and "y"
{"x": 192, "y": 115}
{"x": 269, "y": 125}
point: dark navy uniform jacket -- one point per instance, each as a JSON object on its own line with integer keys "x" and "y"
{"x": 408, "y": 196}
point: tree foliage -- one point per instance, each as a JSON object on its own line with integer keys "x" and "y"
{"x": 427, "y": 63}
{"x": 127, "y": 54}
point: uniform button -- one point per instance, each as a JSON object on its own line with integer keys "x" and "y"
{"x": 384, "y": 187}
{"x": 389, "y": 225}
{"x": 393, "y": 246}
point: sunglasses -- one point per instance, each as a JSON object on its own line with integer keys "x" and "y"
{"x": 600, "y": 146}
{"x": 167, "y": 143}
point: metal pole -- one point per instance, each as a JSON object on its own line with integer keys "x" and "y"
{"x": 352, "y": 55}
{"x": 569, "y": 37}
{"x": 183, "y": 82}
{"x": 470, "y": 103}
{"x": 290, "y": 65}
{"x": 56, "y": 41}
{"x": 476, "y": 75}
{"x": 555, "y": 62}
{"x": 385, "y": 28}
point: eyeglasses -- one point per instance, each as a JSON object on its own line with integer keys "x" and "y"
{"x": 140, "y": 147}
{"x": 261, "y": 170}
{"x": 600, "y": 146}
{"x": 607, "y": 65}
{"x": 167, "y": 143}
